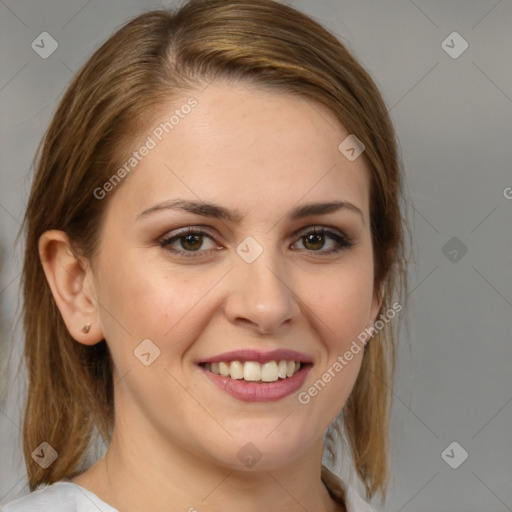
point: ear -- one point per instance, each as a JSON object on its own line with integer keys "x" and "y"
{"x": 72, "y": 286}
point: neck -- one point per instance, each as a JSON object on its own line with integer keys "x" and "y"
{"x": 137, "y": 477}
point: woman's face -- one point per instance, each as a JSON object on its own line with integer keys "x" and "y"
{"x": 172, "y": 306}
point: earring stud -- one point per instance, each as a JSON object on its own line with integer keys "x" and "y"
{"x": 86, "y": 328}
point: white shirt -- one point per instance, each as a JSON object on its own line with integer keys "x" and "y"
{"x": 65, "y": 496}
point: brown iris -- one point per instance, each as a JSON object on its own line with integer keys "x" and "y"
{"x": 192, "y": 242}
{"x": 317, "y": 239}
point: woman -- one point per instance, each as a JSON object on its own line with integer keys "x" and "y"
{"x": 213, "y": 246}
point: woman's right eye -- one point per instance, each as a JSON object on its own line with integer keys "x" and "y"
{"x": 189, "y": 239}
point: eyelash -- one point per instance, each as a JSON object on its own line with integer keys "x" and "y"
{"x": 343, "y": 241}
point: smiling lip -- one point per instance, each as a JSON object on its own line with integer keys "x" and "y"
{"x": 260, "y": 357}
{"x": 259, "y": 391}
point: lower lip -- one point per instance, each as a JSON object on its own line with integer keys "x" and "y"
{"x": 259, "y": 391}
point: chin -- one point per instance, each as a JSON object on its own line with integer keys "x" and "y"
{"x": 261, "y": 449}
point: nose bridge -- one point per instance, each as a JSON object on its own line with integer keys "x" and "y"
{"x": 262, "y": 293}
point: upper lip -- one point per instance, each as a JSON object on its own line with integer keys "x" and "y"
{"x": 281, "y": 354}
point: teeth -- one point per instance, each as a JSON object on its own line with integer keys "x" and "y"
{"x": 269, "y": 372}
{"x": 224, "y": 369}
{"x": 236, "y": 370}
{"x": 251, "y": 371}
{"x": 282, "y": 369}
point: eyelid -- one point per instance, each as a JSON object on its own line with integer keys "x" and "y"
{"x": 213, "y": 233}
{"x": 188, "y": 229}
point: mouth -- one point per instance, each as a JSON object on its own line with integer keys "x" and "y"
{"x": 252, "y": 371}
{"x": 253, "y": 376}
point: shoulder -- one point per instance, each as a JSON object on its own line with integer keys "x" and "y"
{"x": 62, "y": 496}
{"x": 57, "y": 497}
{"x": 344, "y": 492}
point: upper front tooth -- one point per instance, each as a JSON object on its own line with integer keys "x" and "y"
{"x": 236, "y": 370}
{"x": 252, "y": 371}
{"x": 290, "y": 368}
{"x": 269, "y": 372}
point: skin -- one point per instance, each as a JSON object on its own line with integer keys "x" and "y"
{"x": 176, "y": 435}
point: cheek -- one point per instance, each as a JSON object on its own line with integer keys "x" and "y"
{"x": 341, "y": 311}
{"x": 341, "y": 302}
{"x": 145, "y": 299}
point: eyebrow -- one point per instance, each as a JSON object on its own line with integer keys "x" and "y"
{"x": 219, "y": 212}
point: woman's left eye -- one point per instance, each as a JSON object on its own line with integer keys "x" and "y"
{"x": 192, "y": 240}
{"x": 317, "y": 236}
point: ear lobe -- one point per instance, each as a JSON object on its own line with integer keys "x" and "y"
{"x": 66, "y": 276}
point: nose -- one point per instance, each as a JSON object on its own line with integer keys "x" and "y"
{"x": 261, "y": 296}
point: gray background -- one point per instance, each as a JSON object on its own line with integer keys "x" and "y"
{"x": 453, "y": 117}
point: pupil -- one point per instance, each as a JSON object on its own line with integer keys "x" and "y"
{"x": 311, "y": 239}
{"x": 189, "y": 240}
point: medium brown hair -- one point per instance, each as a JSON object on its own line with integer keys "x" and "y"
{"x": 108, "y": 104}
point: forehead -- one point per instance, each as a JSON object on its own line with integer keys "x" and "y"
{"x": 243, "y": 147}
